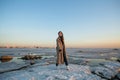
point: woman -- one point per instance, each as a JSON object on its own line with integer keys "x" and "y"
{"x": 61, "y": 51}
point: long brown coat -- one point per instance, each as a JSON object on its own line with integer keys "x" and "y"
{"x": 60, "y": 46}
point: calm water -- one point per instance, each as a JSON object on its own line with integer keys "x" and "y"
{"x": 92, "y": 55}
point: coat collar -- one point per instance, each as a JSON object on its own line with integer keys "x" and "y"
{"x": 59, "y": 38}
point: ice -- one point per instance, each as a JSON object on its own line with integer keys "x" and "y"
{"x": 85, "y": 64}
{"x": 50, "y": 72}
{"x": 112, "y": 65}
{"x": 108, "y": 70}
{"x": 8, "y": 66}
{"x": 103, "y": 72}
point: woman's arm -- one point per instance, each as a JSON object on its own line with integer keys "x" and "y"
{"x": 58, "y": 45}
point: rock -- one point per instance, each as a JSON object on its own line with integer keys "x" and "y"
{"x": 118, "y": 76}
{"x": 31, "y": 57}
{"x": 103, "y": 72}
{"x": 114, "y": 66}
{"x": 107, "y": 70}
{"x": 32, "y": 62}
{"x": 80, "y": 51}
{"x": 115, "y": 49}
{"x": 6, "y": 58}
{"x": 118, "y": 60}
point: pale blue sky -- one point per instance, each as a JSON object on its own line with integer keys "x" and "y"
{"x": 85, "y": 23}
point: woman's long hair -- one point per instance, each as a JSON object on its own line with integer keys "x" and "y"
{"x": 61, "y": 37}
{"x": 62, "y": 40}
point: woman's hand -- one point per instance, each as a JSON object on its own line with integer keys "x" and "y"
{"x": 60, "y": 50}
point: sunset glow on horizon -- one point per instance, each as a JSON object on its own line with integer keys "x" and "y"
{"x": 84, "y": 23}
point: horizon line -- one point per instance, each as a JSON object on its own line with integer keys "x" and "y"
{"x": 49, "y": 47}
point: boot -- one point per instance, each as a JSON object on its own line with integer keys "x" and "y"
{"x": 68, "y": 68}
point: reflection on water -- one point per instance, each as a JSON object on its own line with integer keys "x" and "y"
{"x": 96, "y": 62}
{"x": 5, "y": 60}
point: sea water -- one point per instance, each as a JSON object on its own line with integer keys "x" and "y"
{"x": 91, "y": 55}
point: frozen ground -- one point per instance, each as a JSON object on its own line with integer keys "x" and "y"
{"x": 45, "y": 71}
{"x": 85, "y": 64}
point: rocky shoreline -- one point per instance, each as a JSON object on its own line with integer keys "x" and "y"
{"x": 46, "y": 70}
{"x": 101, "y": 64}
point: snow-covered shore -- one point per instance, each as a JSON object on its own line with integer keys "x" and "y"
{"x": 46, "y": 71}
{"x": 87, "y": 64}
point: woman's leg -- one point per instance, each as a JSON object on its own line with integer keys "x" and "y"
{"x": 66, "y": 62}
{"x": 65, "y": 59}
{"x": 56, "y": 64}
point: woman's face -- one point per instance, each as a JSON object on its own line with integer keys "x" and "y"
{"x": 60, "y": 34}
